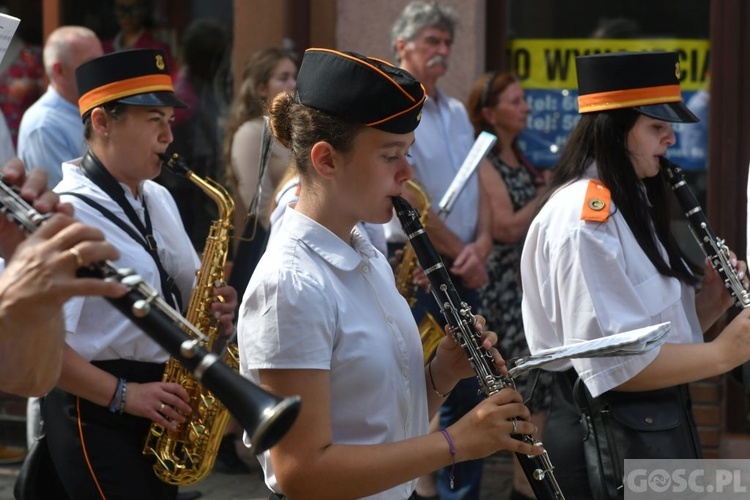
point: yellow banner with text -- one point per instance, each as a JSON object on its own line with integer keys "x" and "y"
{"x": 550, "y": 63}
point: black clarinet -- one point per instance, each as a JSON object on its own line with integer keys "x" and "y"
{"x": 714, "y": 247}
{"x": 457, "y": 313}
{"x": 263, "y": 415}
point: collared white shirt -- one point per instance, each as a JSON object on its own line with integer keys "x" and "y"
{"x": 315, "y": 302}
{"x": 585, "y": 280}
{"x": 442, "y": 141}
{"x": 288, "y": 196}
{"x": 95, "y": 329}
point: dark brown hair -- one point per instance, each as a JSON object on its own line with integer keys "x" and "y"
{"x": 298, "y": 128}
{"x": 485, "y": 94}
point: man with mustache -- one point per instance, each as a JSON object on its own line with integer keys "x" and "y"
{"x": 422, "y": 37}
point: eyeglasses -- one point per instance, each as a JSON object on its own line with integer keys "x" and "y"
{"x": 484, "y": 101}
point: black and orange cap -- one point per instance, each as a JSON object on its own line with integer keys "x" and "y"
{"x": 648, "y": 82}
{"x": 136, "y": 77}
{"x": 361, "y": 89}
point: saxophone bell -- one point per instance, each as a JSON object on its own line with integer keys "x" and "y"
{"x": 186, "y": 455}
{"x": 264, "y": 416}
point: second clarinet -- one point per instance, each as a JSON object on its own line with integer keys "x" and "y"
{"x": 538, "y": 469}
{"x": 715, "y": 249}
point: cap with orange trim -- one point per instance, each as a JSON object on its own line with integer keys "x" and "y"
{"x": 136, "y": 77}
{"x": 361, "y": 89}
{"x": 648, "y": 82}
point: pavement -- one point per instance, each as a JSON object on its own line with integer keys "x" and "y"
{"x": 219, "y": 486}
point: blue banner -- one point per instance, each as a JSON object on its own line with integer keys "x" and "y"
{"x": 546, "y": 68}
{"x": 554, "y": 114}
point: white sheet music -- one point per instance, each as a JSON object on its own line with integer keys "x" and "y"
{"x": 478, "y": 151}
{"x": 8, "y": 25}
{"x": 621, "y": 344}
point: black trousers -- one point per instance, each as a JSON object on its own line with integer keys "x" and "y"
{"x": 563, "y": 439}
{"x": 98, "y": 454}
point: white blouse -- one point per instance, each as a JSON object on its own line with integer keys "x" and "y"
{"x": 585, "y": 280}
{"x": 315, "y": 302}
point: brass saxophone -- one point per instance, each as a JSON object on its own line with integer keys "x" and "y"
{"x": 430, "y": 331}
{"x": 187, "y": 454}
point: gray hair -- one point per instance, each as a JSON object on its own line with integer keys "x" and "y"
{"x": 420, "y": 15}
{"x": 58, "y": 45}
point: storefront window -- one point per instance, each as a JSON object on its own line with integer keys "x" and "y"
{"x": 545, "y": 36}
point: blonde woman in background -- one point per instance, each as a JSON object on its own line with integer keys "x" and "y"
{"x": 267, "y": 72}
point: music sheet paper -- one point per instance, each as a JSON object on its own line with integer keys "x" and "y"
{"x": 478, "y": 151}
{"x": 8, "y": 25}
{"x": 627, "y": 343}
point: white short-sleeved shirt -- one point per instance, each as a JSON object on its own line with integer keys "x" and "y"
{"x": 584, "y": 280}
{"x": 95, "y": 329}
{"x": 315, "y": 302}
{"x": 442, "y": 141}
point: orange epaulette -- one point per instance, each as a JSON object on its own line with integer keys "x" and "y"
{"x": 596, "y": 204}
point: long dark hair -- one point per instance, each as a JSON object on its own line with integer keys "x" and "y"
{"x": 644, "y": 203}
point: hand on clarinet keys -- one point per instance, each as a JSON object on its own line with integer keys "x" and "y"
{"x": 491, "y": 427}
{"x": 714, "y": 290}
{"x": 453, "y": 357}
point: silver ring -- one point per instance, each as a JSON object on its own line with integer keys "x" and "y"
{"x": 77, "y": 256}
{"x": 515, "y": 426}
{"x": 161, "y": 407}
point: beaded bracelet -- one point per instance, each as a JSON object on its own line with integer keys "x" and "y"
{"x": 432, "y": 381}
{"x": 117, "y": 404}
{"x": 121, "y": 407}
{"x": 452, "y": 449}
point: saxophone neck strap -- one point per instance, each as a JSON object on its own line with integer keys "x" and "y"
{"x": 99, "y": 175}
{"x": 94, "y": 170}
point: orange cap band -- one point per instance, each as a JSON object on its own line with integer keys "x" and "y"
{"x": 124, "y": 88}
{"x": 629, "y": 98}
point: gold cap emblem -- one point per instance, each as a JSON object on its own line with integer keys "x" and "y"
{"x": 160, "y": 62}
{"x": 419, "y": 116}
{"x": 596, "y": 204}
{"x": 677, "y": 69}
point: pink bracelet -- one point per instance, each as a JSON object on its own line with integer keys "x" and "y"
{"x": 452, "y": 449}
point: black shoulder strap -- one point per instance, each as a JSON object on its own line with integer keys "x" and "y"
{"x": 168, "y": 285}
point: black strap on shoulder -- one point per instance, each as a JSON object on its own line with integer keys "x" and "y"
{"x": 94, "y": 170}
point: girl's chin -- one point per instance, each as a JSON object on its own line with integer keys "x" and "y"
{"x": 382, "y": 218}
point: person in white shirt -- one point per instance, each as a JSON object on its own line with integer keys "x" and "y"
{"x": 51, "y": 131}
{"x": 599, "y": 259}
{"x": 422, "y": 38}
{"x": 322, "y": 317}
{"x": 111, "y": 387}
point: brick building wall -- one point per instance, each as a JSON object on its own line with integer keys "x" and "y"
{"x": 707, "y": 396}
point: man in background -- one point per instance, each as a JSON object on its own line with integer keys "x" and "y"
{"x": 51, "y": 130}
{"x": 422, "y": 38}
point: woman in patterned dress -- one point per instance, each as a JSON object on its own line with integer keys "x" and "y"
{"x": 497, "y": 105}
